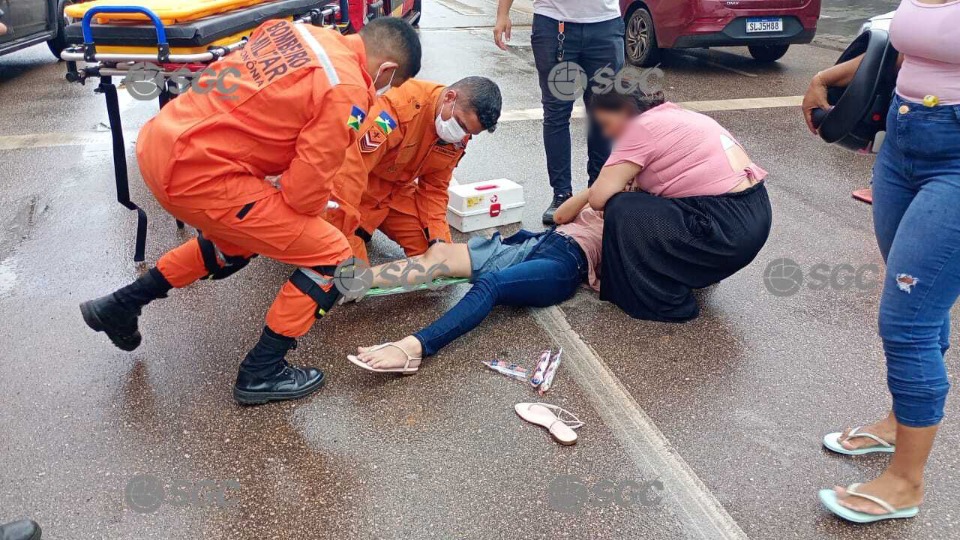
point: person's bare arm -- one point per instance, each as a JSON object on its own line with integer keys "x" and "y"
{"x": 840, "y": 76}
{"x": 816, "y": 96}
{"x": 571, "y": 208}
{"x": 612, "y": 180}
{"x": 503, "y": 26}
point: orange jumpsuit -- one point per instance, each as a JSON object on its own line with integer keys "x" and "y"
{"x": 251, "y": 162}
{"x": 409, "y": 169}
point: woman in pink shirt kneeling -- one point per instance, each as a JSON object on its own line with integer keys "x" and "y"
{"x": 684, "y": 205}
{"x": 715, "y": 223}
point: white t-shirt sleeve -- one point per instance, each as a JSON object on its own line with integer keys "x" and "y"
{"x": 578, "y": 11}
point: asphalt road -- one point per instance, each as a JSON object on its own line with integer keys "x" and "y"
{"x": 709, "y": 429}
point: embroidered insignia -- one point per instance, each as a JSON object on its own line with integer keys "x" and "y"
{"x": 357, "y": 116}
{"x": 372, "y": 140}
{"x": 386, "y": 122}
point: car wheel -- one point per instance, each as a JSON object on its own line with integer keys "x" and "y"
{"x": 768, "y": 53}
{"x": 59, "y": 43}
{"x": 640, "y": 39}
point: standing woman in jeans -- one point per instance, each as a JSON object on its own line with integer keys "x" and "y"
{"x": 916, "y": 211}
{"x": 588, "y": 33}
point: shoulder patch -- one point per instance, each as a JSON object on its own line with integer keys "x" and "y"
{"x": 357, "y": 116}
{"x": 372, "y": 140}
{"x": 386, "y": 122}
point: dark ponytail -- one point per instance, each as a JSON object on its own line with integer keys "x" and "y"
{"x": 636, "y": 101}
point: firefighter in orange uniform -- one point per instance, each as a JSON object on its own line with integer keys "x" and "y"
{"x": 252, "y": 163}
{"x": 412, "y": 140}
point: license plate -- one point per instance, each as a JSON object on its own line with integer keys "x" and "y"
{"x": 764, "y": 24}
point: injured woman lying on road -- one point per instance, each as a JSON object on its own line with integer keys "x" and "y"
{"x": 678, "y": 206}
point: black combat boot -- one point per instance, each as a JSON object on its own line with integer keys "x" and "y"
{"x": 25, "y": 529}
{"x": 265, "y": 375}
{"x": 116, "y": 314}
{"x": 558, "y": 199}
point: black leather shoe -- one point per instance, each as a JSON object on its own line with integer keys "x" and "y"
{"x": 106, "y": 314}
{"x": 290, "y": 383}
{"x": 116, "y": 314}
{"x": 557, "y": 201}
{"x": 25, "y": 529}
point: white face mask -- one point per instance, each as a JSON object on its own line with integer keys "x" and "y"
{"x": 384, "y": 89}
{"x": 449, "y": 130}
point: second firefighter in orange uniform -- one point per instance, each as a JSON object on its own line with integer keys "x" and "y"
{"x": 410, "y": 144}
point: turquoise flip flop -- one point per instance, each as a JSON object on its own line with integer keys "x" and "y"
{"x": 436, "y": 284}
{"x": 828, "y": 498}
{"x": 832, "y": 442}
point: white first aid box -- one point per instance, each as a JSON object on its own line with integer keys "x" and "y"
{"x": 484, "y": 204}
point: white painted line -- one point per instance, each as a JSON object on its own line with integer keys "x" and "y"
{"x": 711, "y": 63}
{"x": 519, "y": 6}
{"x": 51, "y": 140}
{"x": 743, "y": 104}
{"x": 699, "y": 511}
{"x": 701, "y": 106}
{"x": 460, "y": 7}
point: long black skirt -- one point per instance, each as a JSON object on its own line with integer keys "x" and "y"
{"x": 657, "y": 250}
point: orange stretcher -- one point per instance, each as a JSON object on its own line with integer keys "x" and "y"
{"x": 168, "y": 11}
{"x": 175, "y": 38}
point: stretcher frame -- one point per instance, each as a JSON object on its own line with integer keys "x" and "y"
{"x": 107, "y": 65}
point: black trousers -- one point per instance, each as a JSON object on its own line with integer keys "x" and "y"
{"x": 657, "y": 250}
{"x": 593, "y": 47}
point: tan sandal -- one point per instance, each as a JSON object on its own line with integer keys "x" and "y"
{"x": 561, "y": 423}
{"x": 405, "y": 370}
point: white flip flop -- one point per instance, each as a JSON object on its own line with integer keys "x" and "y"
{"x": 832, "y": 442}
{"x": 405, "y": 370}
{"x": 561, "y": 423}
{"x": 828, "y": 497}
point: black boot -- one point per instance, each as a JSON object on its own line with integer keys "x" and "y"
{"x": 25, "y": 529}
{"x": 116, "y": 314}
{"x": 265, "y": 376}
{"x": 558, "y": 199}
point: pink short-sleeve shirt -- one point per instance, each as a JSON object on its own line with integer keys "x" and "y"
{"x": 682, "y": 152}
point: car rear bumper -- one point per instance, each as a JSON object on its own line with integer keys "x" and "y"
{"x": 735, "y": 34}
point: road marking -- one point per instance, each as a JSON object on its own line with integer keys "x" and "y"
{"x": 701, "y": 106}
{"x": 50, "y": 140}
{"x": 743, "y": 104}
{"x": 639, "y": 436}
{"x": 57, "y": 139}
{"x": 718, "y": 65}
{"x": 520, "y": 6}
{"x": 460, "y": 7}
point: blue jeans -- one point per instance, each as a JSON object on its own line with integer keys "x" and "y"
{"x": 593, "y": 46}
{"x": 916, "y": 212}
{"x": 549, "y": 275}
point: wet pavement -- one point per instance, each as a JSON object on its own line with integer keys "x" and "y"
{"x": 704, "y": 430}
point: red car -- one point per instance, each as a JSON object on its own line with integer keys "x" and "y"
{"x": 365, "y": 10}
{"x": 766, "y": 27}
